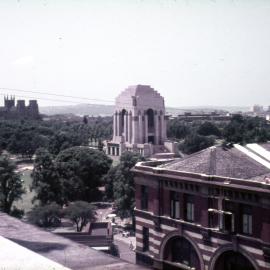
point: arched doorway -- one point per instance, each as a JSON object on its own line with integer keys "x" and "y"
{"x": 179, "y": 251}
{"x": 231, "y": 260}
{"x": 151, "y": 125}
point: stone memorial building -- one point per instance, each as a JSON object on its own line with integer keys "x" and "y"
{"x": 140, "y": 123}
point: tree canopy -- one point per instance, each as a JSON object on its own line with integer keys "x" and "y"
{"x": 119, "y": 184}
{"x": 80, "y": 213}
{"x": 75, "y": 174}
{"x": 46, "y": 216}
{"x": 46, "y": 181}
{"x": 247, "y": 130}
{"x": 81, "y": 170}
{"x": 11, "y": 188}
{"x": 195, "y": 143}
{"x": 24, "y": 137}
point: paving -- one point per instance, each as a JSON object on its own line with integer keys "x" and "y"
{"x": 56, "y": 248}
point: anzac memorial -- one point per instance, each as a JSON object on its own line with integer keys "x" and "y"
{"x": 140, "y": 124}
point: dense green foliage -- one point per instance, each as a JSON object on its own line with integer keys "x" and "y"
{"x": 49, "y": 215}
{"x": 25, "y": 137}
{"x": 119, "y": 184}
{"x": 208, "y": 128}
{"x": 80, "y": 170}
{"x": 80, "y": 213}
{"x": 46, "y": 180}
{"x": 11, "y": 187}
{"x": 197, "y": 135}
{"x": 75, "y": 174}
{"x": 46, "y": 216}
{"x": 247, "y": 130}
{"x": 194, "y": 143}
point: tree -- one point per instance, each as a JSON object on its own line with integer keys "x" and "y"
{"x": 80, "y": 213}
{"x": 46, "y": 216}
{"x": 195, "y": 142}
{"x": 178, "y": 129}
{"x": 81, "y": 170}
{"x": 121, "y": 180}
{"x": 100, "y": 145}
{"x": 246, "y": 130}
{"x": 108, "y": 180}
{"x": 46, "y": 181}
{"x": 208, "y": 128}
{"x": 85, "y": 119}
{"x": 11, "y": 188}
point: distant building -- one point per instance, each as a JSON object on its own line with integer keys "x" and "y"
{"x": 140, "y": 123}
{"x": 20, "y": 110}
{"x": 207, "y": 211}
{"x": 213, "y": 116}
{"x": 257, "y": 109}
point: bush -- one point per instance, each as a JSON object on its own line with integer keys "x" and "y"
{"x": 195, "y": 143}
{"x": 46, "y": 216}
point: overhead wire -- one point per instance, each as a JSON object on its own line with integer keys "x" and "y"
{"x": 52, "y": 94}
{"x": 58, "y": 95}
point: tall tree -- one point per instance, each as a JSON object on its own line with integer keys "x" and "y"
{"x": 46, "y": 181}
{"x": 80, "y": 213}
{"x": 122, "y": 180}
{"x": 81, "y": 170}
{"x": 11, "y": 188}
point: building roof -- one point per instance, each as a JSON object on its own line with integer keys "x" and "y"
{"x": 235, "y": 162}
{"x": 142, "y": 95}
{"x": 56, "y": 248}
{"x": 137, "y": 90}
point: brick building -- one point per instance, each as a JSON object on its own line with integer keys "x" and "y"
{"x": 208, "y": 211}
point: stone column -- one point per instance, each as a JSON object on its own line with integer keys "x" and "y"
{"x": 135, "y": 127}
{"x": 161, "y": 128}
{"x": 126, "y": 127}
{"x": 118, "y": 133}
{"x": 165, "y": 128}
{"x": 130, "y": 131}
{"x": 140, "y": 129}
{"x": 156, "y": 128}
{"x": 114, "y": 125}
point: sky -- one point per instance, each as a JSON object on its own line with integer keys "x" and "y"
{"x": 194, "y": 52}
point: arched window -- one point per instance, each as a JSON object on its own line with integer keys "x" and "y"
{"x": 180, "y": 250}
{"x": 150, "y": 114}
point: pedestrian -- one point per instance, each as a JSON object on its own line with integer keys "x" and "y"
{"x": 131, "y": 247}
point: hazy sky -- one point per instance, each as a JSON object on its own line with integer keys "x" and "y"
{"x": 193, "y": 52}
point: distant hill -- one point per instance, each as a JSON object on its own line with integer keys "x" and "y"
{"x": 106, "y": 110}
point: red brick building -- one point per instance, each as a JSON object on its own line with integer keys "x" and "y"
{"x": 208, "y": 211}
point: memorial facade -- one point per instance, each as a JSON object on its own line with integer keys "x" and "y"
{"x": 139, "y": 123}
